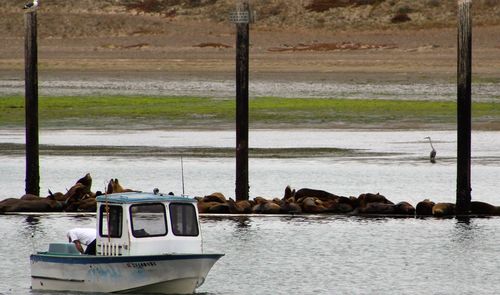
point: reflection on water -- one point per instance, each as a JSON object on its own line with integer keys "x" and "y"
{"x": 328, "y": 255}
{"x": 308, "y": 255}
{"x": 32, "y": 221}
{"x": 464, "y": 233}
{"x": 242, "y": 222}
{"x": 32, "y": 226}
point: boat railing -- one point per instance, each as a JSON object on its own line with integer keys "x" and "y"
{"x": 110, "y": 249}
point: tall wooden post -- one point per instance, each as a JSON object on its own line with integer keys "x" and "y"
{"x": 242, "y": 56}
{"x": 31, "y": 104}
{"x": 464, "y": 113}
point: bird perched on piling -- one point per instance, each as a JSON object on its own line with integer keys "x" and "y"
{"x": 433, "y": 151}
{"x": 31, "y": 5}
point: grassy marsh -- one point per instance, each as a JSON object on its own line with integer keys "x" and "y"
{"x": 144, "y": 112}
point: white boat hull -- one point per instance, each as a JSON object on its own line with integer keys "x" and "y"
{"x": 164, "y": 274}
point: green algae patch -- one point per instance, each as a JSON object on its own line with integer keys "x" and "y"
{"x": 145, "y": 112}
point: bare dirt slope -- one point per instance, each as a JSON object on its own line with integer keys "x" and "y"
{"x": 298, "y": 40}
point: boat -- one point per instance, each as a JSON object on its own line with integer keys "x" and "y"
{"x": 145, "y": 243}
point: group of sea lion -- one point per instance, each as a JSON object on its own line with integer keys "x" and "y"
{"x": 79, "y": 198}
{"x": 315, "y": 201}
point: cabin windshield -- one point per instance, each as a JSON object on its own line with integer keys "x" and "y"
{"x": 148, "y": 220}
{"x": 111, "y": 221}
{"x": 184, "y": 221}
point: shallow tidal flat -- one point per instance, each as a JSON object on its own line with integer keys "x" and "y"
{"x": 7, "y": 149}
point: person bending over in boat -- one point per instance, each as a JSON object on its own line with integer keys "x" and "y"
{"x": 83, "y": 236}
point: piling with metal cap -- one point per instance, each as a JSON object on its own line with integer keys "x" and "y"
{"x": 31, "y": 104}
{"x": 241, "y": 17}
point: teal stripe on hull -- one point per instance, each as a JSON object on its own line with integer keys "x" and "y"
{"x": 89, "y": 259}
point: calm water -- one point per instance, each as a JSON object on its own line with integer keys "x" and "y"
{"x": 289, "y": 255}
{"x": 401, "y": 171}
{"x": 307, "y": 255}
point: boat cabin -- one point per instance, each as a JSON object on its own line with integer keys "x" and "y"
{"x": 146, "y": 224}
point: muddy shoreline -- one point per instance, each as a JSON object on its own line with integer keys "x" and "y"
{"x": 421, "y": 65}
{"x": 415, "y": 56}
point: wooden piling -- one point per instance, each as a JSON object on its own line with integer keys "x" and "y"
{"x": 242, "y": 56}
{"x": 31, "y": 104}
{"x": 464, "y": 114}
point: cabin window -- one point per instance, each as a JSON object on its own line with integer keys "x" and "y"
{"x": 110, "y": 221}
{"x": 148, "y": 220}
{"x": 184, "y": 220}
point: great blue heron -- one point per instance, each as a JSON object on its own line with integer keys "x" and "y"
{"x": 433, "y": 152}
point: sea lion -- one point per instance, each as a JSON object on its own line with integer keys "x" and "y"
{"x": 288, "y": 193}
{"x": 58, "y": 196}
{"x": 482, "y": 208}
{"x": 260, "y": 200}
{"x": 346, "y": 205}
{"x": 312, "y": 205}
{"x": 443, "y": 209}
{"x": 7, "y": 204}
{"x": 270, "y": 208}
{"x": 364, "y": 199}
{"x": 404, "y": 208}
{"x": 240, "y": 207}
{"x": 215, "y": 197}
{"x": 75, "y": 193}
{"x": 204, "y": 207}
{"x": 424, "y": 208}
{"x": 30, "y": 197}
{"x": 289, "y": 207}
{"x": 378, "y": 208}
{"x": 114, "y": 186}
{"x": 318, "y": 194}
{"x": 220, "y": 208}
{"x": 40, "y": 205}
{"x": 85, "y": 205}
{"x": 331, "y": 206}
{"x": 87, "y": 183}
